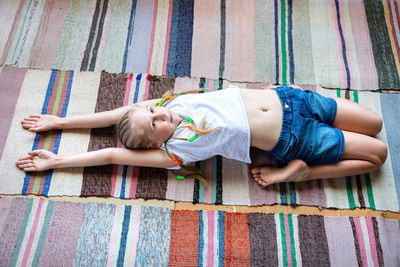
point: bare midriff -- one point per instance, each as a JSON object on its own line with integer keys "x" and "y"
{"x": 264, "y": 114}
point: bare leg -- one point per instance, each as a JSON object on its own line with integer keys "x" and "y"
{"x": 361, "y": 154}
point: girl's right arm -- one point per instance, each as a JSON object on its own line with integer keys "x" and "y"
{"x": 40, "y": 160}
{"x": 40, "y": 123}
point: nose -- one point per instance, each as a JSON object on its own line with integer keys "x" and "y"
{"x": 160, "y": 116}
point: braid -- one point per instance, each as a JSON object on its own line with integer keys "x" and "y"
{"x": 130, "y": 136}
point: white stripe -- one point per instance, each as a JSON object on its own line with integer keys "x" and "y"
{"x": 37, "y": 233}
{"x": 296, "y": 240}
{"x": 205, "y": 237}
{"x": 278, "y": 239}
{"x": 129, "y": 237}
{"x": 383, "y": 182}
{"x": 366, "y": 241}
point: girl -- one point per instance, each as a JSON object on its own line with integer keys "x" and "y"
{"x": 310, "y": 136}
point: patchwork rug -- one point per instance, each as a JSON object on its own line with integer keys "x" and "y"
{"x": 67, "y": 93}
{"x": 333, "y": 43}
{"x": 39, "y": 232}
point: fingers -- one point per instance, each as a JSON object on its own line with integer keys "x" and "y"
{"x": 35, "y": 152}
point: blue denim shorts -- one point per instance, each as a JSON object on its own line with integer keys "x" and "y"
{"x": 307, "y": 132}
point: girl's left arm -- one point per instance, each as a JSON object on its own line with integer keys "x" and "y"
{"x": 40, "y": 160}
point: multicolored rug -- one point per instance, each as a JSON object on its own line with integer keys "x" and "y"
{"x": 39, "y": 232}
{"x": 66, "y": 93}
{"x": 333, "y": 43}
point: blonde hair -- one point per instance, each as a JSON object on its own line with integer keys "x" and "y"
{"x": 133, "y": 137}
{"x": 129, "y": 135}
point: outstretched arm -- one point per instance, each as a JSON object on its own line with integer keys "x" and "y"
{"x": 40, "y": 160}
{"x": 39, "y": 123}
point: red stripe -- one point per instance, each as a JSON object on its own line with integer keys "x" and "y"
{"x": 135, "y": 175}
{"x": 152, "y": 35}
{"x": 236, "y": 236}
{"x": 53, "y": 94}
{"x": 397, "y": 10}
{"x": 396, "y": 42}
{"x": 184, "y": 240}
{"x": 167, "y": 38}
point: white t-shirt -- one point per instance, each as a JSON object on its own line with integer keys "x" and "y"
{"x": 223, "y": 109}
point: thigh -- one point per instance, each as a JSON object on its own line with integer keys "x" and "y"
{"x": 357, "y": 118}
{"x": 363, "y": 147}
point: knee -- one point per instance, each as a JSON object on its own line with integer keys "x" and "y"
{"x": 380, "y": 153}
{"x": 376, "y": 124}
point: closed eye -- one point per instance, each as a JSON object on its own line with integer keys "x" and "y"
{"x": 151, "y": 110}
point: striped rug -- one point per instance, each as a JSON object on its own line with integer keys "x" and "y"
{"x": 41, "y": 232}
{"x": 68, "y": 93}
{"x": 333, "y": 43}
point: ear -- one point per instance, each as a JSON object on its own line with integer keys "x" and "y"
{"x": 154, "y": 145}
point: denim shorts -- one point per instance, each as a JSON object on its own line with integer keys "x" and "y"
{"x": 307, "y": 132}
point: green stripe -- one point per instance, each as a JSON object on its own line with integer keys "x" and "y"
{"x": 214, "y": 180}
{"x": 352, "y": 203}
{"x": 292, "y": 247}
{"x": 207, "y": 85}
{"x": 283, "y": 41}
{"x": 338, "y": 91}
{"x": 46, "y": 222}
{"x": 21, "y": 234}
{"x": 283, "y": 239}
{"x": 369, "y": 191}
{"x": 58, "y": 94}
{"x": 355, "y": 96}
{"x": 201, "y": 186}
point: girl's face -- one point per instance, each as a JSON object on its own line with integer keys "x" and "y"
{"x": 159, "y": 123}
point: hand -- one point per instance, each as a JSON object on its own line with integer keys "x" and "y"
{"x": 39, "y": 123}
{"x": 38, "y": 160}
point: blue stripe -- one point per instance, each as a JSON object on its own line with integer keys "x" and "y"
{"x": 276, "y": 42}
{"x": 180, "y": 39}
{"x": 221, "y": 237}
{"x": 290, "y": 41}
{"x": 124, "y": 234}
{"x": 389, "y": 107}
{"x": 282, "y": 189}
{"x": 38, "y": 135}
{"x": 343, "y": 44}
{"x": 292, "y": 192}
{"x": 130, "y": 34}
{"x": 201, "y": 240}
{"x": 138, "y": 79}
{"x": 47, "y": 181}
{"x": 123, "y": 184}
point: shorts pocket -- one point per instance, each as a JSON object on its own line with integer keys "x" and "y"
{"x": 290, "y": 148}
